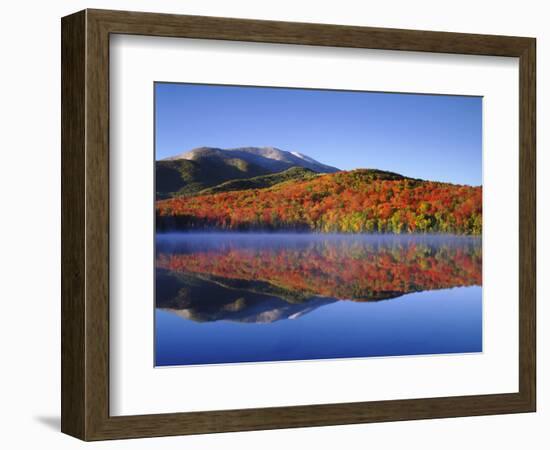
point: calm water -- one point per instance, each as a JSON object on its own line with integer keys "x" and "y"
{"x": 242, "y": 297}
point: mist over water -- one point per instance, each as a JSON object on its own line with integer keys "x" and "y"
{"x": 217, "y": 240}
{"x": 246, "y": 297}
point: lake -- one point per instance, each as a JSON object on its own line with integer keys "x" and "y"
{"x": 251, "y": 297}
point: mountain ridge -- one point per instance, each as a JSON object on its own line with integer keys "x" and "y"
{"x": 201, "y": 168}
{"x": 270, "y": 158}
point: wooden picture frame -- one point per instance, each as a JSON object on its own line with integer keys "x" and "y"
{"x": 85, "y": 224}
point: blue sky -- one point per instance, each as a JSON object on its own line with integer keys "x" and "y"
{"x": 434, "y": 137}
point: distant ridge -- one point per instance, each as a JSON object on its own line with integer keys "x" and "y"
{"x": 269, "y": 158}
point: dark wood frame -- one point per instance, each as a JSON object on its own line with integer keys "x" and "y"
{"x": 85, "y": 224}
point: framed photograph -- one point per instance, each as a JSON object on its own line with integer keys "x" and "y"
{"x": 273, "y": 225}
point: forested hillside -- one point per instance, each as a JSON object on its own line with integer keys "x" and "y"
{"x": 356, "y": 201}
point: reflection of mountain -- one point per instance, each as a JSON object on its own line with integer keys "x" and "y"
{"x": 267, "y": 283}
{"x": 203, "y": 300}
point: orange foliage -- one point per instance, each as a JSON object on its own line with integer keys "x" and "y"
{"x": 349, "y": 202}
{"x": 339, "y": 270}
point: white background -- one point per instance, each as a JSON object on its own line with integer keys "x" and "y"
{"x": 30, "y": 237}
{"x": 136, "y": 387}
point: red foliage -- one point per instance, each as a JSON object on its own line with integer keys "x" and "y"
{"x": 348, "y": 202}
{"x": 339, "y": 271}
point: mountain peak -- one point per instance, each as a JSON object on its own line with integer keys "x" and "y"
{"x": 270, "y": 158}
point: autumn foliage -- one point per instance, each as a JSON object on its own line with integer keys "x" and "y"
{"x": 343, "y": 271}
{"x": 357, "y": 201}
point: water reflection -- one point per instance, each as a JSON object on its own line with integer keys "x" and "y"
{"x": 259, "y": 278}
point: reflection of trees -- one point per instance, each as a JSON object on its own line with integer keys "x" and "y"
{"x": 342, "y": 270}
